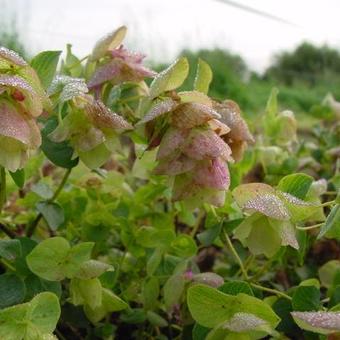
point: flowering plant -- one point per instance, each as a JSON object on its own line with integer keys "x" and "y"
{"x": 136, "y": 208}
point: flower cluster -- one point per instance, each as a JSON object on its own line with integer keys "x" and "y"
{"x": 198, "y": 140}
{"x": 116, "y": 64}
{"x": 90, "y": 126}
{"x": 21, "y": 100}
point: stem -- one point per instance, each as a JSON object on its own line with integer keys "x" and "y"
{"x": 326, "y": 204}
{"x": 31, "y": 228}
{"x": 310, "y": 227}
{"x": 59, "y": 334}
{"x": 198, "y": 223}
{"x": 7, "y": 265}
{"x": 270, "y": 290}
{"x": 2, "y": 187}
{"x": 61, "y": 185}
{"x": 7, "y": 231}
{"x": 225, "y": 238}
{"x": 330, "y": 193}
{"x": 78, "y": 62}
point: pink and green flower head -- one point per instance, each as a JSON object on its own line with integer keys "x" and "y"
{"x": 22, "y": 99}
{"x": 115, "y": 64}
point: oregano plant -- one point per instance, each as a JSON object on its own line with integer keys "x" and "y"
{"x": 134, "y": 208}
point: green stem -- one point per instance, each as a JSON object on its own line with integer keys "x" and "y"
{"x": 7, "y": 231}
{"x": 198, "y": 223}
{"x": 225, "y": 238}
{"x": 330, "y": 193}
{"x": 310, "y": 227}
{"x": 31, "y": 228}
{"x": 78, "y": 62}
{"x": 270, "y": 290}
{"x": 61, "y": 185}
{"x": 2, "y": 187}
{"x": 7, "y": 265}
{"x": 326, "y": 204}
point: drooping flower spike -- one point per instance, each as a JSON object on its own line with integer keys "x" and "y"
{"x": 22, "y": 99}
{"x": 193, "y": 148}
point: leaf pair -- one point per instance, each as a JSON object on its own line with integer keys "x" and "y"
{"x": 36, "y": 319}
{"x": 54, "y": 259}
{"x": 236, "y": 316}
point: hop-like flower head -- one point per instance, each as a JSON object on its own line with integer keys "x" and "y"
{"x": 21, "y": 101}
{"x": 117, "y": 65}
{"x": 91, "y": 128}
{"x": 195, "y": 148}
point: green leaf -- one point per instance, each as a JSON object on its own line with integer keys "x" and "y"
{"x": 53, "y": 259}
{"x": 296, "y": 184}
{"x": 184, "y": 246}
{"x": 334, "y": 296}
{"x": 45, "y": 64}
{"x": 306, "y": 298}
{"x": 194, "y": 97}
{"x": 44, "y": 312}
{"x": 35, "y": 285}
{"x": 43, "y": 190}
{"x": 154, "y": 261}
{"x": 170, "y": 78}
{"x": 282, "y": 307}
{"x": 203, "y": 77}
{"x": 72, "y": 63}
{"x": 150, "y": 293}
{"x": 91, "y": 269}
{"x": 208, "y": 236}
{"x": 86, "y": 292}
{"x": 52, "y": 212}
{"x": 111, "y": 41}
{"x": 10, "y": 249}
{"x": 318, "y": 322}
{"x": 210, "y": 307}
{"x": 110, "y": 303}
{"x": 199, "y": 332}
{"x": 76, "y": 257}
{"x": 12, "y": 290}
{"x": 18, "y": 177}
{"x": 208, "y": 278}
{"x": 155, "y": 319}
{"x": 331, "y": 228}
{"x": 245, "y": 322}
{"x": 250, "y": 232}
{"x": 271, "y": 112}
{"x": 328, "y": 272}
{"x": 262, "y": 198}
{"x": 151, "y": 237}
{"x": 61, "y": 154}
{"x": 36, "y": 319}
{"x": 47, "y": 259}
{"x": 173, "y": 290}
{"x": 236, "y": 287}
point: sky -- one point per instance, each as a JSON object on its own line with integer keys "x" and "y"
{"x": 161, "y": 29}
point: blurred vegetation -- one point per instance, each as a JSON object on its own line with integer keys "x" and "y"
{"x": 9, "y": 35}
{"x": 11, "y": 40}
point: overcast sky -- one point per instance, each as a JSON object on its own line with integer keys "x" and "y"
{"x": 161, "y": 29}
